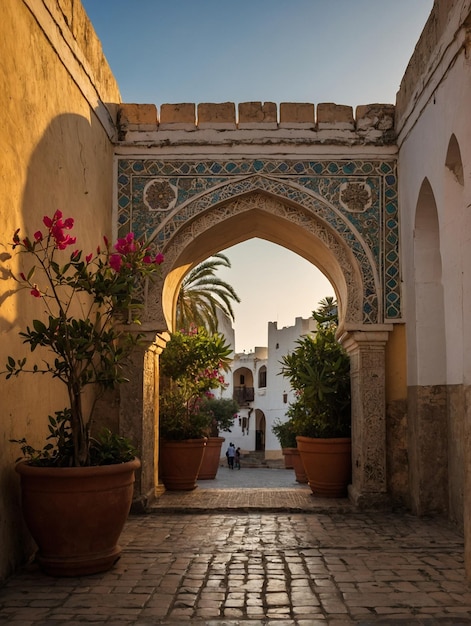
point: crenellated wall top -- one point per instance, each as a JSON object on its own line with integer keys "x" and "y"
{"x": 322, "y": 123}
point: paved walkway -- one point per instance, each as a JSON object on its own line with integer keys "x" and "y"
{"x": 279, "y": 558}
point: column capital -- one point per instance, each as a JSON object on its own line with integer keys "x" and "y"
{"x": 350, "y": 335}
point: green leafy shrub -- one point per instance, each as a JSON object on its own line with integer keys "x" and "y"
{"x": 192, "y": 365}
{"x": 319, "y": 371}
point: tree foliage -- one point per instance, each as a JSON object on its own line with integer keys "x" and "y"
{"x": 202, "y": 295}
{"x": 319, "y": 371}
{"x": 192, "y": 366}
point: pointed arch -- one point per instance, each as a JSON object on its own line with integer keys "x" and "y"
{"x": 430, "y": 346}
{"x": 453, "y": 159}
{"x": 427, "y": 414}
{"x": 340, "y": 215}
{"x": 259, "y": 214}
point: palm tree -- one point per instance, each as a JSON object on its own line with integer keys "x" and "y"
{"x": 202, "y": 295}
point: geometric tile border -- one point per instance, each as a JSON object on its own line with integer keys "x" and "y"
{"x": 357, "y": 199}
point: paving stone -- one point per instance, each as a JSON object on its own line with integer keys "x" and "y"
{"x": 273, "y": 559}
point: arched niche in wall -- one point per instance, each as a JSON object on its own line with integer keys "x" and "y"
{"x": 453, "y": 160}
{"x": 430, "y": 346}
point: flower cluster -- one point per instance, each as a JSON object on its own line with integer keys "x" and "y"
{"x": 191, "y": 366}
{"x": 108, "y": 272}
{"x": 128, "y": 247}
{"x": 56, "y": 226}
{"x": 82, "y": 294}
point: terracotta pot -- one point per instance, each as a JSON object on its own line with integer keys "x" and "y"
{"x": 328, "y": 465}
{"x": 76, "y": 514}
{"x": 211, "y": 458}
{"x": 298, "y": 467}
{"x": 180, "y": 462}
{"x": 288, "y": 457}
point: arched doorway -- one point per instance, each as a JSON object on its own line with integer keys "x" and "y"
{"x": 260, "y": 430}
{"x": 329, "y": 213}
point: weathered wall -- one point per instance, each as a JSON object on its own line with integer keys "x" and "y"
{"x": 56, "y": 154}
{"x": 255, "y": 123}
{"x": 434, "y": 139}
{"x": 397, "y": 460}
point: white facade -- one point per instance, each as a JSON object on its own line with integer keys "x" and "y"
{"x": 434, "y": 142}
{"x": 257, "y": 376}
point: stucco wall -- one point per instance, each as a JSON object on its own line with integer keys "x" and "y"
{"x": 56, "y": 154}
{"x": 434, "y": 138}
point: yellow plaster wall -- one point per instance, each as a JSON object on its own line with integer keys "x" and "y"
{"x": 56, "y": 153}
{"x": 396, "y": 369}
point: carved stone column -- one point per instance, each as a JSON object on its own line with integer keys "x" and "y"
{"x": 366, "y": 348}
{"x": 137, "y": 414}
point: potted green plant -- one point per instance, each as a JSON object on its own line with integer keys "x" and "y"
{"x": 319, "y": 371}
{"x": 221, "y": 412}
{"x": 286, "y": 435}
{"x": 191, "y": 366}
{"x": 79, "y": 343}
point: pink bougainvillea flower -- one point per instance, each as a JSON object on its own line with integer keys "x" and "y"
{"x": 126, "y": 245}
{"x": 55, "y": 219}
{"x": 116, "y": 261}
{"x": 75, "y": 254}
{"x": 38, "y": 235}
{"x": 56, "y": 228}
{"x": 66, "y": 241}
{"x": 89, "y": 257}
{"x": 35, "y": 292}
{"x": 159, "y": 259}
{"x": 147, "y": 260}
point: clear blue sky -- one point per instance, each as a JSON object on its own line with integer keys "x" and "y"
{"x": 344, "y": 51}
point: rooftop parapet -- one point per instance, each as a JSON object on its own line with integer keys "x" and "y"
{"x": 324, "y": 123}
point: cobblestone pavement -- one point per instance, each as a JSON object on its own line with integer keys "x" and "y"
{"x": 257, "y": 564}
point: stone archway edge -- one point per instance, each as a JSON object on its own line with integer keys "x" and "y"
{"x": 366, "y": 347}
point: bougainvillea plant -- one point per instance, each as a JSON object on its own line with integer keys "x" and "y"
{"x": 82, "y": 345}
{"x": 192, "y": 367}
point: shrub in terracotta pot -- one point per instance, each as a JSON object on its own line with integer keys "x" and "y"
{"x": 286, "y": 435}
{"x": 192, "y": 366}
{"x": 78, "y": 343}
{"x": 319, "y": 370}
{"x": 283, "y": 431}
{"x": 222, "y": 412}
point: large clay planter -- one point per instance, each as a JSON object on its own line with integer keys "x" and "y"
{"x": 328, "y": 465}
{"x": 211, "y": 458}
{"x": 76, "y": 514}
{"x": 180, "y": 463}
{"x": 298, "y": 467}
{"x": 288, "y": 457}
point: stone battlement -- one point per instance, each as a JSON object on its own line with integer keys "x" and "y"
{"x": 372, "y": 123}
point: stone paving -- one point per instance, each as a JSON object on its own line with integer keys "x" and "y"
{"x": 252, "y": 562}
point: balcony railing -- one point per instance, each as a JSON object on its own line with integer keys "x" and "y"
{"x": 243, "y": 395}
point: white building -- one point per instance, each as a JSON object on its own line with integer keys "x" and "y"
{"x": 262, "y": 393}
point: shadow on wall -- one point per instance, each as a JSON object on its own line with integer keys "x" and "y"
{"x": 70, "y": 169}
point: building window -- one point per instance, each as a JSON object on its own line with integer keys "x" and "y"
{"x": 242, "y": 380}
{"x": 262, "y": 377}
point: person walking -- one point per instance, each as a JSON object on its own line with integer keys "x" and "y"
{"x": 231, "y": 455}
{"x": 237, "y": 458}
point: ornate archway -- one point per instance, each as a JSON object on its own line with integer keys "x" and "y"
{"x": 339, "y": 215}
